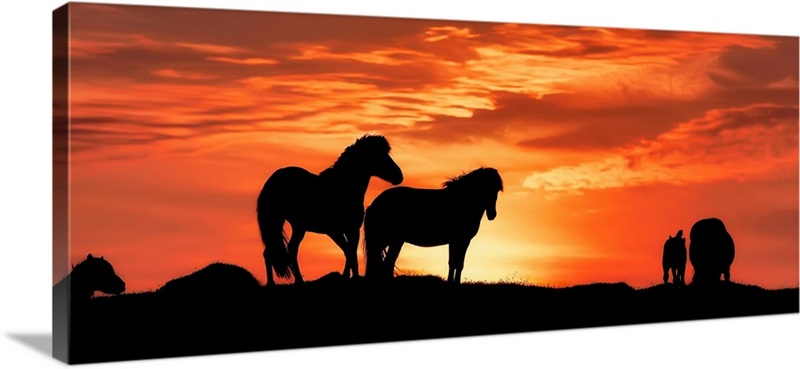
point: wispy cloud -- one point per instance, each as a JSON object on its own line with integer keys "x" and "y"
{"x": 753, "y": 142}
{"x": 210, "y": 48}
{"x": 244, "y": 61}
{"x": 171, "y": 73}
{"x": 435, "y": 34}
{"x": 384, "y": 56}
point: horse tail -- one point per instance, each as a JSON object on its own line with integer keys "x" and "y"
{"x": 372, "y": 258}
{"x": 270, "y": 224}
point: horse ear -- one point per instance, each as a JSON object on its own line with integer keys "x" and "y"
{"x": 90, "y": 257}
{"x": 101, "y": 258}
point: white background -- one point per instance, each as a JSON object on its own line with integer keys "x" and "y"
{"x": 25, "y": 207}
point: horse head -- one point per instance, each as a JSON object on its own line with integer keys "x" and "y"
{"x": 491, "y": 206}
{"x": 386, "y": 169}
{"x": 100, "y": 275}
{"x": 676, "y": 240}
{"x": 483, "y": 184}
{"x": 370, "y": 155}
{"x": 491, "y": 186}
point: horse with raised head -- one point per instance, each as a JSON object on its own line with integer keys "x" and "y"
{"x": 674, "y": 258}
{"x": 429, "y": 217}
{"x": 331, "y": 203}
{"x": 90, "y": 275}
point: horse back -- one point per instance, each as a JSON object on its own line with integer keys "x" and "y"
{"x": 290, "y": 176}
{"x": 424, "y": 217}
{"x": 711, "y": 244}
{"x": 302, "y": 197}
{"x": 674, "y": 253}
{"x": 412, "y": 205}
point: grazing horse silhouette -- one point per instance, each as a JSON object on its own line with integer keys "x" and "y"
{"x": 429, "y": 217}
{"x": 674, "y": 258}
{"x": 330, "y": 203}
{"x": 88, "y": 276}
{"x": 711, "y": 251}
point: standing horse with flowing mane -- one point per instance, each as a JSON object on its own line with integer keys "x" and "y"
{"x": 331, "y": 203}
{"x": 429, "y": 217}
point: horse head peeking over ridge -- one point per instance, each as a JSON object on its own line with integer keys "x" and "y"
{"x": 429, "y": 217}
{"x": 90, "y": 275}
{"x": 674, "y": 258}
{"x": 331, "y": 203}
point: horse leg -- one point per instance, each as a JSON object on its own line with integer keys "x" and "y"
{"x": 270, "y": 278}
{"x": 374, "y": 250}
{"x": 727, "y": 274}
{"x": 351, "y": 253}
{"x": 293, "y": 246}
{"x": 391, "y": 257}
{"x": 666, "y": 275}
{"x": 457, "y": 251}
{"x": 342, "y": 241}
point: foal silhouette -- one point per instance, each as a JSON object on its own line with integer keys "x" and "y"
{"x": 429, "y": 217}
{"x": 674, "y": 258}
{"x": 330, "y": 203}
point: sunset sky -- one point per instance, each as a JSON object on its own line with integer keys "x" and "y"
{"x": 608, "y": 140}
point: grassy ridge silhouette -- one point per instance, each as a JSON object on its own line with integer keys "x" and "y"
{"x": 219, "y": 309}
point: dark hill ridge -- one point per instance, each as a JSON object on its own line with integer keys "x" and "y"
{"x": 336, "y": 311}
{"x": 217, "y": 278}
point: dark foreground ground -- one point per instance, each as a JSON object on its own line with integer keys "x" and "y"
{"x": 331, "y": 311}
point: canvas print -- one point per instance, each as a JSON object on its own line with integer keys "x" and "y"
{"x": 230, "y": 181}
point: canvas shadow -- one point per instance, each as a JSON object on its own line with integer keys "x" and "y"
{"x": 39, "y": 342}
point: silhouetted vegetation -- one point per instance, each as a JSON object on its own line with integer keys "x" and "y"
{"x": 335, "y": 310}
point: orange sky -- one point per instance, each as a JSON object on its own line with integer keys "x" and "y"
{"x": 608, "y": 140}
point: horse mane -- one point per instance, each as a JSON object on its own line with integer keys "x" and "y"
{"x": 84, "y": 263}
{"x": 483, "y": 177}
{"x": 366, "y": 146}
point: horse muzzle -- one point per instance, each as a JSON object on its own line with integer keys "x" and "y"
{"x": 116, "y": 289}
{"x": 397, "y": 180}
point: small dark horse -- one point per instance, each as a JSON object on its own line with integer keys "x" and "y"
{"x": 330, "y": 203}
{"x": 674, "y": 258}
{"x": 88, "y": 276}
{"x": 429, "y": 217}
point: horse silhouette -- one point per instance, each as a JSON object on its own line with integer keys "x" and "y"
{"x": 711, "y": 251}
{"x": 90, "y": 275}
{"x": 330, "y": 203}
{"x": 429, "y": 217}
{"x": 674, "y": 258}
